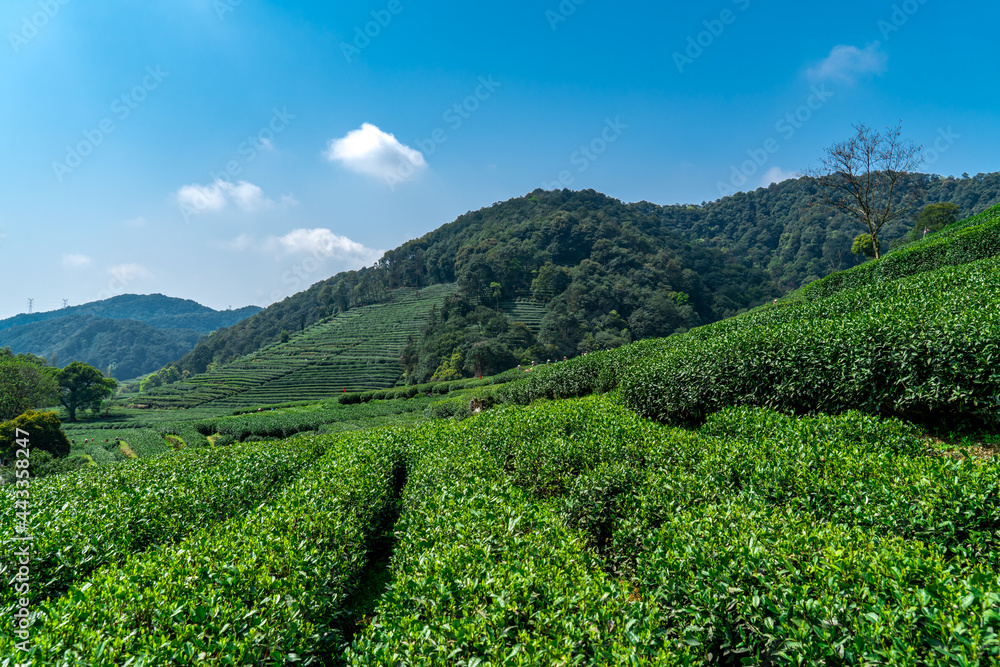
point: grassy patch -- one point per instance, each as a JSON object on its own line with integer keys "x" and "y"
{"x": 175, "y": 441}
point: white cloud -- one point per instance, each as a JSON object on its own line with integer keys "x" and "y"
{"x": 136, "y": 222}
{"x": 372, "y": 152}
{"x": 220, "y": 194}
{"x": 289, "y": 200}
{"x": 323, "y": 243}
{"x": 202, "y": 197}
{"x": 247, "y": 196}
{"x": 240, "y": 243}
{"x": 127, "y": 273}
{"x": 320, "y": 244}
{"x": 777, "y": 175}
{"x": 846, "y": 63}
{"x": 71, "y": 261}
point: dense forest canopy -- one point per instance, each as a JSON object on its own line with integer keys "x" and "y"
{"x": 604, "y": 272}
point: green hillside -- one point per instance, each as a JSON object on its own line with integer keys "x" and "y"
{"x": 125, "y": 336}
{"x": 592, "y": 272}
{"x": 356, "y": 350}
{"x": 761, "y": 490}
{"x": 157, "y": 310}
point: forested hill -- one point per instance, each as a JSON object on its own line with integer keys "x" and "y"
{"x": 125, "y": 336}
{"x": 782, "y": 228}
{"x": 558, "y": 273}
{"x": 156, "y": 310}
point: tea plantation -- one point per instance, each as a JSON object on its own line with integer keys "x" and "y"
{"x": 759, "y": 491}
{"x": 356, "y": 350}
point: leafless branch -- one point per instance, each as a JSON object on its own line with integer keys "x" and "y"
{"x": 864, "y": 177}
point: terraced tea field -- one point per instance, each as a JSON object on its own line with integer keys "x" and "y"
{"x": 357, "y": 351}
{"x": 526, "y": 311}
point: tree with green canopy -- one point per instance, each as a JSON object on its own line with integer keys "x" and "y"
{"x": 864, "y": 245}
{"x": 25, "y": 382}
{"x": 83, "y": 386}
{"x": 934, "y": 218}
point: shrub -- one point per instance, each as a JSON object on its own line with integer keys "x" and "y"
{"x": 44, "y": 434}
{"x": 922, "y": 348}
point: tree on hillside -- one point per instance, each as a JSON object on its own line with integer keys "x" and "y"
{"x": 46, "y": 434}
{"x": 83, "y": 386}
{"x": 863, "y": 175}
{"x": 863, "y": 246}
{"x": 934, "y": 218}
{"x": 25, "y": 382}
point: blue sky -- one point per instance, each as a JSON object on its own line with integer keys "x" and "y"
{"x": 237, "y": 151}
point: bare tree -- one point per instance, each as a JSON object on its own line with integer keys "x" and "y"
{"x": 864, "y": 176}
{"x": 836, "y": 263}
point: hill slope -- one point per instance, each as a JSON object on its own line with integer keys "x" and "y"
{"x": 162, "y": 312}
{"x": 356, "y": 351}
{"x": 127, "y": 336}
{"x": 913, "y": 335}
{"x": 579, "y": 531}
{"x": 598, "y": 273}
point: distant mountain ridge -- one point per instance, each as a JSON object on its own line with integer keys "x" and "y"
{"x": 125, "y": 336}
{"x": 157, "y": 310}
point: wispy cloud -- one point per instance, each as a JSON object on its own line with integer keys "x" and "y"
{"x": 127, "y": 273}
{"x": 239, "y": 244}
{"x": 846, "y": 64}
{"x": 323, "y": 243}
{"x": 319, "y": 243}
{"x": 74, "y": 261}
{"x": 372, "y": 152}
{"x": 220, "y": 194}
{"x": 777, "y": 175}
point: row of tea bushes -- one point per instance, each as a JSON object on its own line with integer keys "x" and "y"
{"x": 484, "y": 575}
{"x": 763, "y": 537}
{"x": 269, "y": 587}
{"x": 769, "y": 585}
{"x": 286, "y": 423}
{"x": 965, "y": 241}
{"x": 84, "y": 520}
{"x": 923, "y": 348}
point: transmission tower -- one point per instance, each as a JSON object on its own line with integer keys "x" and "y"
{"x": 65, "y": 303}
{"x": 31, "y": 304}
